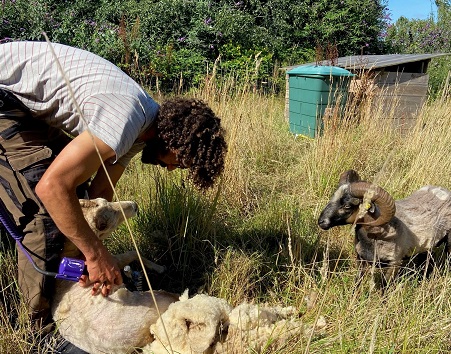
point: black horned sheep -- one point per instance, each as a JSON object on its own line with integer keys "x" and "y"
{"x": 389, "y": 232}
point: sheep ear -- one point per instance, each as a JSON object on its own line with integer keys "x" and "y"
{"x": 86, "y": 203}
{"x": 355, "y": 201}
{"x": 349, "y": 176}
{"x": 101, "y": 222}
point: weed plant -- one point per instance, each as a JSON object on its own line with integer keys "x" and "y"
{"x": 254, "y": 237}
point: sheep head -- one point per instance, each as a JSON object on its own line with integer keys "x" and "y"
{"x": 104, "y": 217}
{"x": 343, "y": 207}
{"x": 192, "y": 326}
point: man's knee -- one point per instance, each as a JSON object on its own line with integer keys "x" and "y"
{"x": 44, "y": 242}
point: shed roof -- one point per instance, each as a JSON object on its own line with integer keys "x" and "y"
{"x": 376, "y": 61}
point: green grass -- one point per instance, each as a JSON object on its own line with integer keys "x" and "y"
{"x": 254, "y": 237}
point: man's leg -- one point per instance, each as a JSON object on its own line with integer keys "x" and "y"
{"x": 27, "y": 148}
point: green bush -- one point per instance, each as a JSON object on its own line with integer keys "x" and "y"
{"x": 173, "y": 43}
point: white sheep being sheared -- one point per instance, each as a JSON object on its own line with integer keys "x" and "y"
{"x": 120, "y": 322}
{"x": 205, "y": 324}
{"x": 127, "y": 320}
{"x": 388, "y": 231}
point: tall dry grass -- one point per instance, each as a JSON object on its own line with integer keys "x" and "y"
{"x": 274, "y": 187}
{"x": 255, "y": 237}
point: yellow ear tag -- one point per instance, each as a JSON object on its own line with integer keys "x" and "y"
{"x": 367, "y": 206}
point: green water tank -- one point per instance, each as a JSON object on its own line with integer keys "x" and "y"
{"x": 312, "y": 89}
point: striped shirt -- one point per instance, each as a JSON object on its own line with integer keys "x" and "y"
{"x": 114, "y": 107}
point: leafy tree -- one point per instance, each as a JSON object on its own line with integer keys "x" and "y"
{"x": 425, "y": 36}
{"x": 161, "y": 41}
{"x": 352, "y": 25}
{"x": 415, "y": 36}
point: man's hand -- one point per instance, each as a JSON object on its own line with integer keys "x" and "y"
{"x": 103, "y": 273}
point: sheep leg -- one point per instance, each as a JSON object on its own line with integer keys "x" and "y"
{"x": 448, "y": 244}
{"x": 362, "y": 269}
{"x": 130, "y": 256}
{"x": 391, "y": 272}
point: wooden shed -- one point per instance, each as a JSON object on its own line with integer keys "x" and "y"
{"x": 400, "y": 80}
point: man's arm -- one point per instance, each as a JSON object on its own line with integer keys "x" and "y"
{"x": 101, "y": 186}
{"x": 77, "y": 162}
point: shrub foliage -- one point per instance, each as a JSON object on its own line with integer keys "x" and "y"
{"x": 176, "y": 42}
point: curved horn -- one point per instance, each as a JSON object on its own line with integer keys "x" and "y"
{"x": 383, "y": 200}
{"x": 348, "y": 176}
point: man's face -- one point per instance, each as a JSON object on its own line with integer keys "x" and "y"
{"x": 155, "y": 155}
{"x": 152, "y": 151}
{"x": 169, "y": 160}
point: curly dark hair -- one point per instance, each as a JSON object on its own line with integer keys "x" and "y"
{"x": 191, "y": 129}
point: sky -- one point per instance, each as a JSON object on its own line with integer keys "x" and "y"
{"x": 412, "y": 9}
